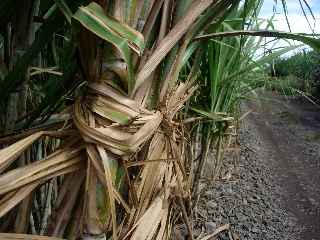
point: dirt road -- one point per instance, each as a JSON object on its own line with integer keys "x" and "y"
{"x": 290, "y": 134}
{"x": 273, "y": 191}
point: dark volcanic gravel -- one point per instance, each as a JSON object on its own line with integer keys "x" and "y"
{"x": 249, "y": 201}
{"x": 272, "y": 190}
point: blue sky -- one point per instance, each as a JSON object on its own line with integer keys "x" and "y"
{"x": 293, "y": 6}
{"x": 296, "y": 18}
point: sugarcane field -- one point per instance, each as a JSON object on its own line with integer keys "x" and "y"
{"x": 160, "y": 119}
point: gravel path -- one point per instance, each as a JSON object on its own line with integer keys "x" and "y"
{"x": 272, "y": 192}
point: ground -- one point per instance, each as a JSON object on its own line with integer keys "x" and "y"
{"x": 272, "y": 191}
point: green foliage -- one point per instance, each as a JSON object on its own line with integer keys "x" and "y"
{"x": 304, "y": 67}
{"x": 285, "y": 85}
{"x": 231, "y": 71}
{"x": 300, "y": 65}
{"x": 119, "y": 35}
{"x": 51, "y": 48}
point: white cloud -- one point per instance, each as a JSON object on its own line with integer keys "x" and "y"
{"x": 297, "y": 20}
{"x": 298, "y": 23}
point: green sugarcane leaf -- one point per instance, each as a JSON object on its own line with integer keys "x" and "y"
{"x": 124, "y": 38}
{"x": 64, "y": 8}
{"x": 261, "y": 61}
{"x": 189, "y": 52}
{"x": 304, "y": 38}
{"x": 215, "y": 116}
{"x": 16, "y": 76}
{"x": 135, "y": 38}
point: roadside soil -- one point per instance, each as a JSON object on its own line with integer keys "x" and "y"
{"x": 272, "y": 189}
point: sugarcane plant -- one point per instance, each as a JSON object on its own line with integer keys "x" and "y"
{"x": 230, "y": 71}
{"x": 119, "y": 165}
